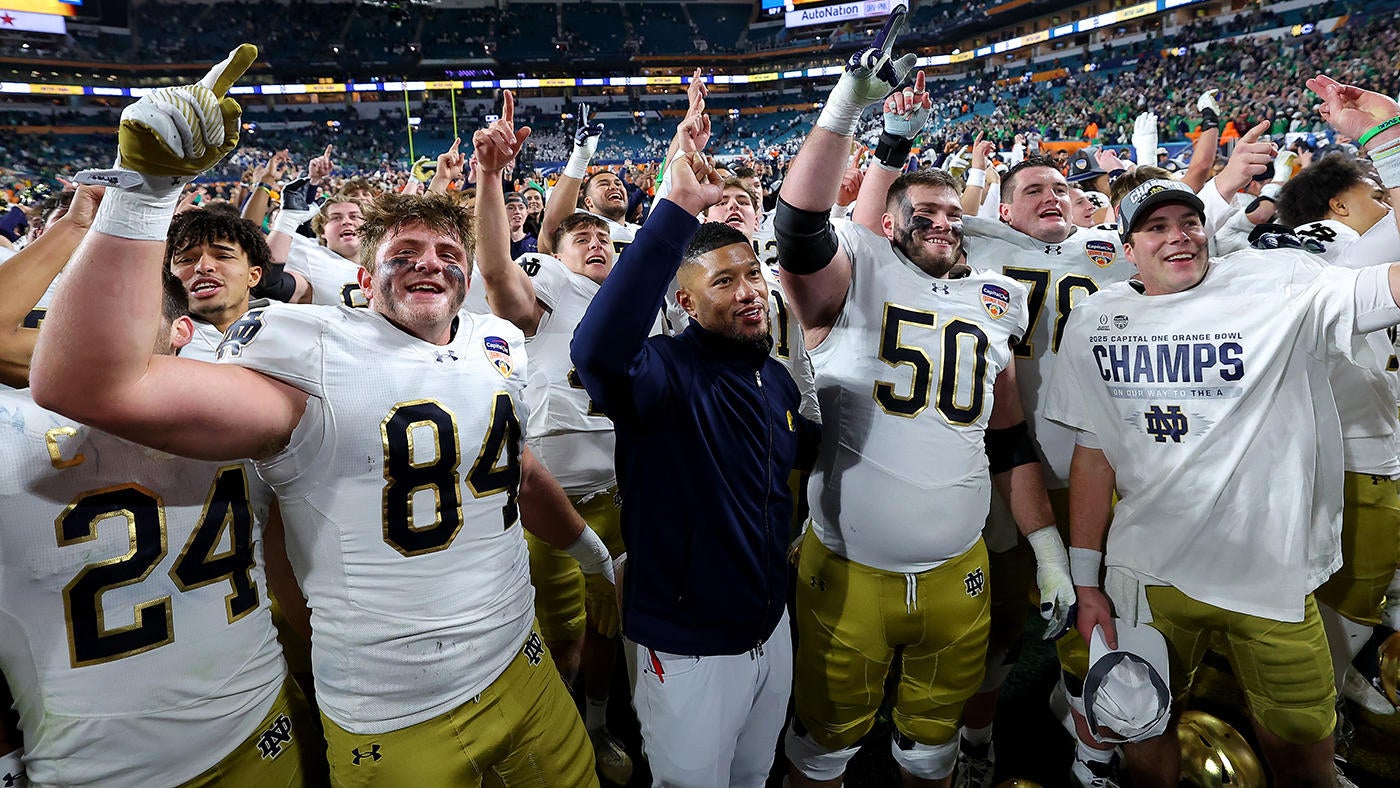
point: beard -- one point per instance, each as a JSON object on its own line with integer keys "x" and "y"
{"x": 931, "y": 263}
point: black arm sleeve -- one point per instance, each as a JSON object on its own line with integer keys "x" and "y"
{"x": 806, "y": 240}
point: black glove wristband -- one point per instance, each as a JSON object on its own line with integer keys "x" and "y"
{"x": 1210, "y": 119}
{"x": 276, "y": 283}
{"x": 893, "y": 150}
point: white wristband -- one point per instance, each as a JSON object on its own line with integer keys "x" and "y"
{"x": 976, "y": 178}
{"x": 12, "y": 769}
{"x": 288, "y": 221}
{"x": 1389, "y": 170}
{"x": 578, "y": 163}
{"x": 842, "y": 111}
{"x": 138, "y": 214}
{"x": 592, "y": 555}
{"x": 1084, "y": 566}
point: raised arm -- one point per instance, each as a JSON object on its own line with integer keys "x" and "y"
{"x": 817, "y": 271}
{"x": 95, "y": 358}
{"x": 905, "y": 113}
{"x": 563, "y": 198}
{"x": 451, "y": 167}
{"x": 1370, "y": 118}
{"x": 266, "y": 179}
{"x": 613, "y": 331}
{"x": 25, "y": 277}
{"x": 976, "y": 190}
{"x": 509, "y": 290}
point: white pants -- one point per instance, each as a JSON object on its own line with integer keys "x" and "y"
{"x": 712, "y": 722}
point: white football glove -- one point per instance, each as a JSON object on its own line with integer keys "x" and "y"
{"x": 1209, "y": 109}
{"x": 298, "y": 205}
{"x": 1145, "y": 138}
{"x": 908, "y": 125}
{"x": 1283, "y": 166}
{"x": 586, "y": 136}
{"x": 167, "y": 139}
{"x": 1052, "y": 576}
{"x": 956, "y": 163}
{"x": 870, "y": 75}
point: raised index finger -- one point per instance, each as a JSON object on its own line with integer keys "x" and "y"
{"x": 1253, "y": 134}
{"x": 508, "y": 107}
{"x": 919, "y": 82}
{"x": 327, "y": 154}
{"x": 226, "y": 72}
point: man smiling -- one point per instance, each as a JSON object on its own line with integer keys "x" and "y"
{"x": 219, "y": 259}
{"x": 703, "y": 608}
{"x": 1209, "y": 386}
{"x": 392, "y": 437}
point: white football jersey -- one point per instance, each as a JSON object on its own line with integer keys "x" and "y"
{"x": 1220, "y": 424}
{"x": 204, "y": 343}
{"x": 334, "y": 280}
{"x": 1056, "y": 277}
{"x": 765, "y": 242}
{"x": 1367, "y": 396}
{"x": 622, "y": 232}
{"x": 568, "y": 434}
{"x": 398, "y": 493}
{"x": 135, "y": 633}
{"x": 905, "y": 383}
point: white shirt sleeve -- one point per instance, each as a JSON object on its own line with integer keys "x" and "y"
{"x": 1218, "y": 208}
{"x": 1375, "y": 304}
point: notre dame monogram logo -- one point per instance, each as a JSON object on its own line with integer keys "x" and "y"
{"x": 534, "y": 649}
{"x": 976, "y": 582}
{"x": 240, "y": 333}
{"x": 1166, "y": 424}
{"x": 277, "y": 736}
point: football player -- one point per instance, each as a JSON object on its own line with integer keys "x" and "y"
{"x": 869, "y": 305}
{"x": 392, "y": 436}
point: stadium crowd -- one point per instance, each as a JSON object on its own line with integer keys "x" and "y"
{"x": 794, "y": 420}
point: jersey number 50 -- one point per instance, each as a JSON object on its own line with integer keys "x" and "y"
{"x": 957, "y": 337}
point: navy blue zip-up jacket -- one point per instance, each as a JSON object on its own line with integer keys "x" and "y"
{"x": 707, "y": 433}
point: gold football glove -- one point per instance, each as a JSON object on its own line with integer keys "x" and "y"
{"x": 166, "y": 139}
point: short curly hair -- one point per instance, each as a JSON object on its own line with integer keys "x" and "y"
{"x": 441, "y": 213}
{"x": 197, "y": 227}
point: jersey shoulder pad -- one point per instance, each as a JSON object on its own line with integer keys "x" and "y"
{"x": 549, "y": 275}
{"x": 283, "y": 341}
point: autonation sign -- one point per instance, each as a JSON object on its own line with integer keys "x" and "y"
{"x": 801, "y": 16}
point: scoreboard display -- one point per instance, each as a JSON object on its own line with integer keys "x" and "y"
{"x": 804, "y": 13}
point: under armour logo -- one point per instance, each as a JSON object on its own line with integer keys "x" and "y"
{"x": 373, "y": 754}
{"x": 10, "y": 780}
{"x": 818, "y": 583}
{"x": 975, "y": 582}
{"x": 940, "y": 288}
{"x": 277, "y": 736}
{"x": 443, "y": 357}
{"x": 1049, "y": 249}
{"x": 534, "y": 649}
{"x": 1163, "y": 424}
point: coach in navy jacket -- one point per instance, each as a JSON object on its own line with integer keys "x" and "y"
{"x": 707, "y": 432}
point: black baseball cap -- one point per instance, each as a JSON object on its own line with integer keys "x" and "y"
{"x": 1139, "y": 202}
